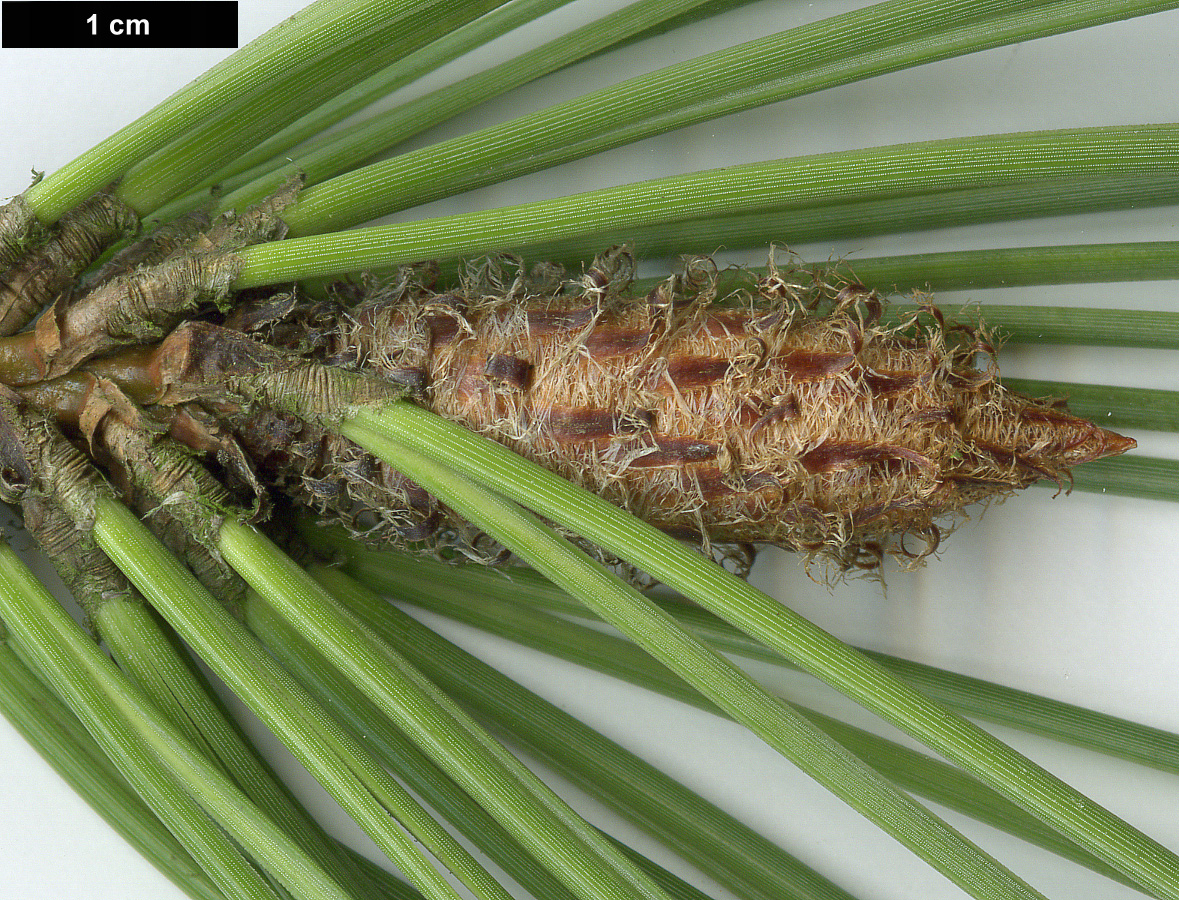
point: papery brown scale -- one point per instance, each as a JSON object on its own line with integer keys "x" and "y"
{"x": 607, "y": 342}
{"x": 812, "y": 365}
{"x": 508, "y": 370}
{"x": 834, "y": 457}
{"x": 883, "y": 383}
{"x": 549, "y": 321}
{"x": 691, "y": 372}
{"x": 674, "y": 451}
{"x": 591, "y": 424}
{"x": 443, "y": 329}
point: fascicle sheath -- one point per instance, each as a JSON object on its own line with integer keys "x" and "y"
{"x": 75, "y": 242}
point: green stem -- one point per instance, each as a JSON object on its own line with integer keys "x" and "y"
{"x": 884, "y": 37}
{"x": 574, "y": 852}
{"x": 1155, "y": 329}
{"x": 997, "y": 267}
{"x": 696, "y": 14}
{"x": 155, "y": 661}
{"x": 296, "y": 42}
{"x": 795, "y": 738}
{"x": 497, "y": 608}
{"x": 970, "y": 696}
{"x": 342, "y": 766}
{"x": 397, "y": 751}
{"x": 415, "y": 65}
{"x": 151, "y": 751}
{"x": 1013, "y": 775}
{"x": 701, "y": 833}
{"x": 340, "y": 151}
{"x": 424, "y": 777}
{"x": 844, "y": 220}
{"x": 145, "y": 653}
{"x": 780, "y": 185}
{"x": 1019, "y": 266}
{"x": 1131, "y": 476}
{"x": 55, "y": 733}
{"x": 401, "y": 26}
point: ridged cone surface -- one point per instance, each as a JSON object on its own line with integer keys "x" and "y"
{"x": 755, "y": 419}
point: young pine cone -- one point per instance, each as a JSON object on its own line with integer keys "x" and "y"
{"x": 750, "y": 420}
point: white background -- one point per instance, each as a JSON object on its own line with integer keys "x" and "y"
{"x": 1071, "y": 596}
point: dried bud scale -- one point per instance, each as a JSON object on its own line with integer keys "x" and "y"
{"x": 150, "y": 249}
{"x": 747, "y": 418}
{"x": 183, "y": 504}
{"x": 19, "y": 229}
{"x": 74, "y": 243}
{"x": 336, "y": 479}
{"x": 92, "y": 579}
{"x": 142, "y": 304}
